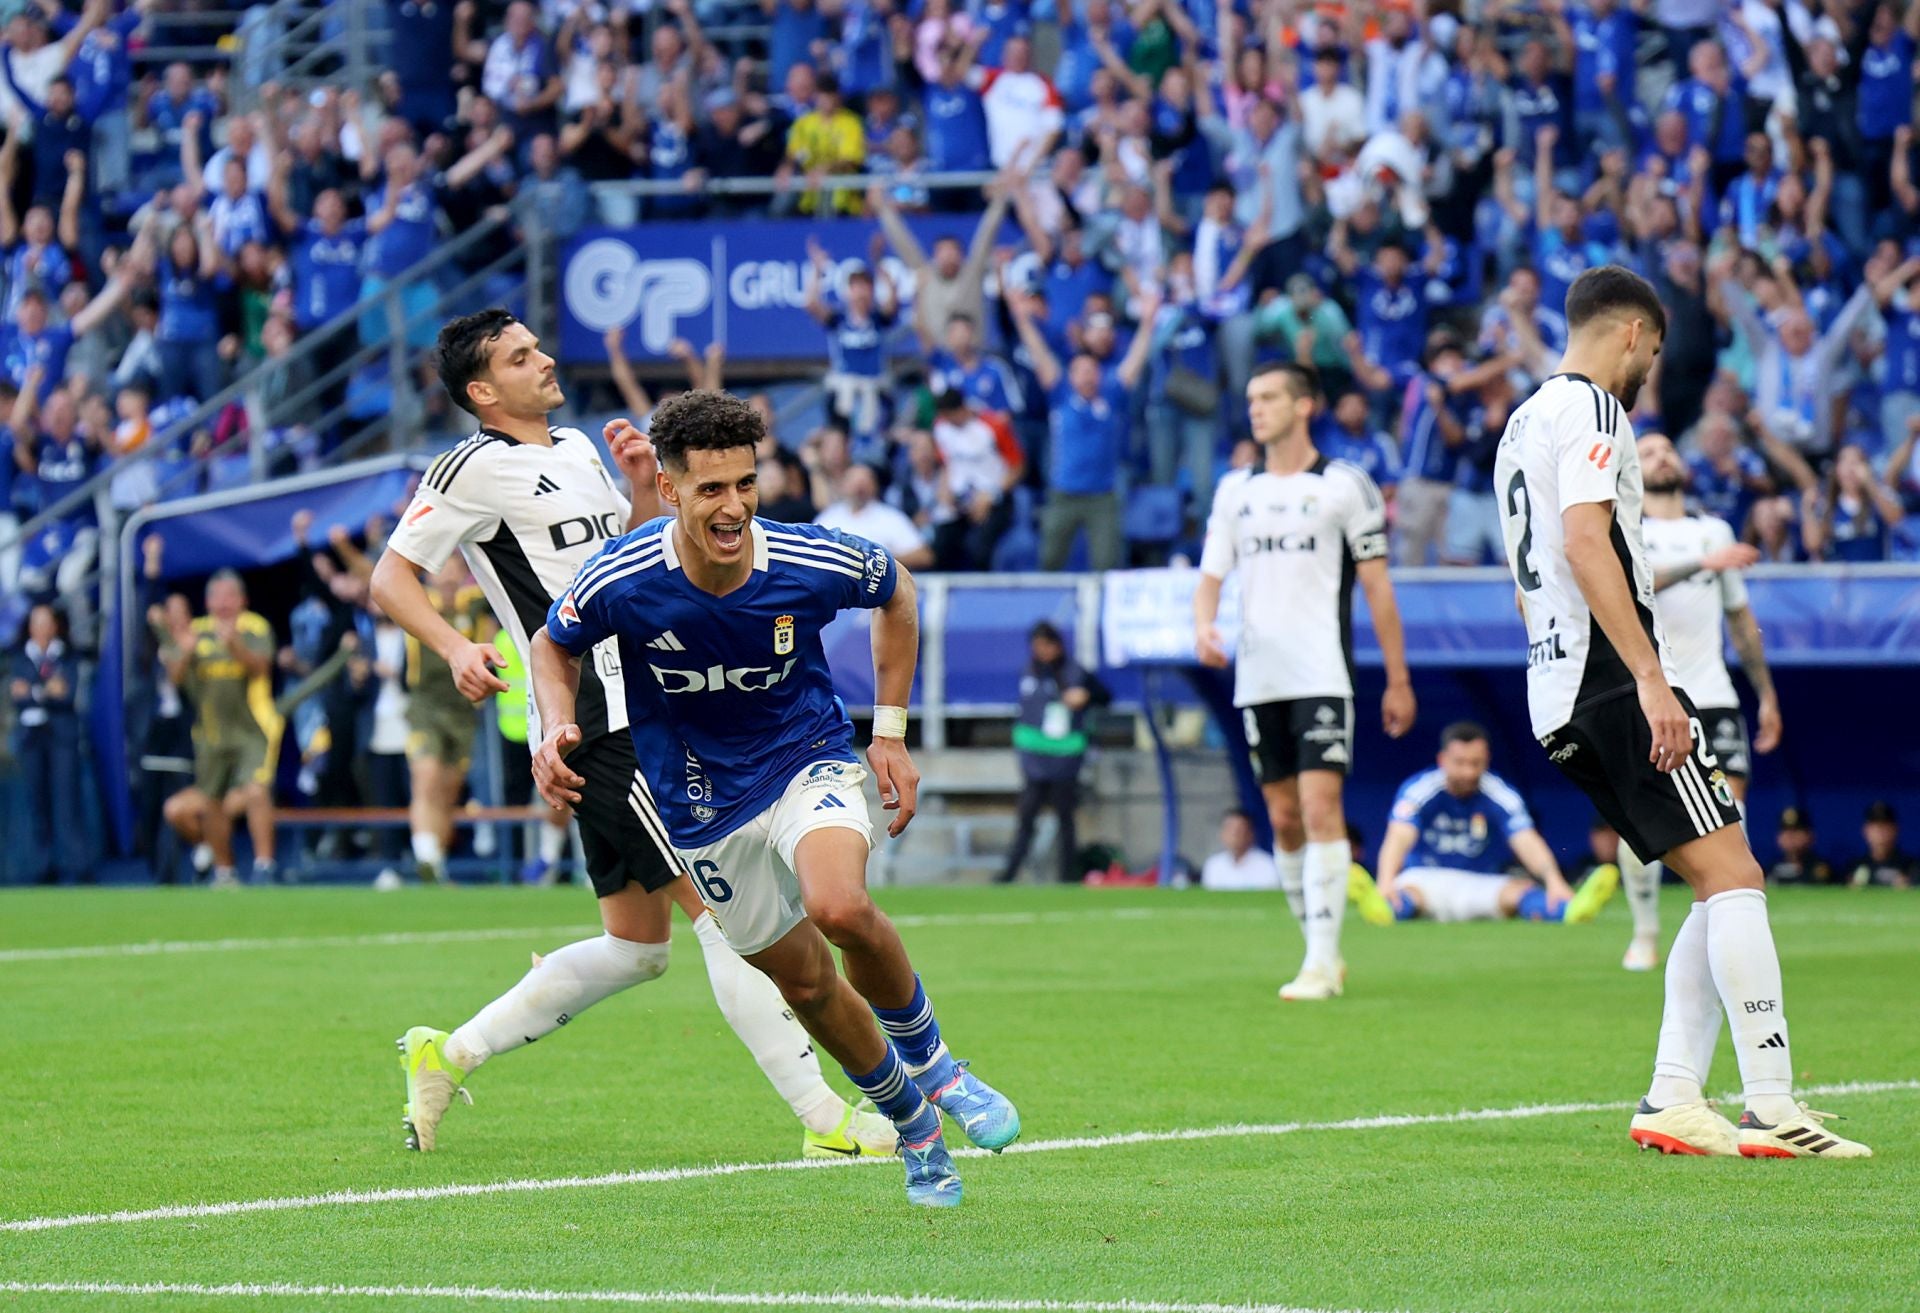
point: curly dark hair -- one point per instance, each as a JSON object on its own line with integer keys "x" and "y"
{"x": 703, "y": 420}
{"x": 464, "y": 351}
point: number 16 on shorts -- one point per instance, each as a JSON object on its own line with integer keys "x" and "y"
{"x": 713, "y": 887}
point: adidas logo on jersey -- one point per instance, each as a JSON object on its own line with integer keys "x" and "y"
{"x": 545, "y": 486}
{"x": 667, "y": 643}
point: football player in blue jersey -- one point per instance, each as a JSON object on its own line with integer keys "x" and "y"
{"x": 748, "y": 756}
{"x": 1453, "y": 835}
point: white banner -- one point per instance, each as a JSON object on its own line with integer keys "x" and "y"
{"x": 1146, "y": 616}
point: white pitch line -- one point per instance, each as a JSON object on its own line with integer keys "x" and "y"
{"x": 660, "y": 1175}
{"x": 680, "y": 1298}
{"x": 400, "y": 938}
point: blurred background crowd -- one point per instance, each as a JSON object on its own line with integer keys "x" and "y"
{"x": 227, "y": 237}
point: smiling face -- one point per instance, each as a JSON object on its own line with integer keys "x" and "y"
{"x": 713, "y": 498}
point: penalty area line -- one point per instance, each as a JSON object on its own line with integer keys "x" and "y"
{"x": 671, "y": 1298}
{"x": 656, "y": 1176}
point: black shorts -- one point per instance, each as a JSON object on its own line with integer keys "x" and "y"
{"x": 1300, "y": 734}
{"x": 623, "y": 837}
{"x": 1604, "y": 750}
{"x": 1727, "y": 736}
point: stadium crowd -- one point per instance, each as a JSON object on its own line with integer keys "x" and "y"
{"x": 1396, "y": 193}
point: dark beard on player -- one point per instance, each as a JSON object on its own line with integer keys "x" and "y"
{"x": 1629, "y": 394}
{"x": 1672, "y": 483}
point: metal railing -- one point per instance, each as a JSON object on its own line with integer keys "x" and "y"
{"x": 104, "y": 580}
{"x": 220, "y": 23}
{"x": 293, "y": 36}
{"x": 311, "y": 344}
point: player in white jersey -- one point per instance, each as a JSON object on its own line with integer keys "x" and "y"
{"x": 1300, "y": 528}
{"x": 1598, "y": 687}
{"x": 1697, "y": 585}
{"x": 528, "y": 505}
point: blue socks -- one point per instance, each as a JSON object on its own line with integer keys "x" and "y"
{"x": 1404, "y": 908}
{"x": 895, "y": 1094}
{"x": 917, "y": 1035}
{"x": 1533, "y": 907}
{"x": 912, "y": 1028}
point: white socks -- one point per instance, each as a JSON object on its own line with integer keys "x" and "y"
{"x": 1642, "y": 880}
{"x": 1746, "y": 971}
{"x": 1291, "y": 866}
{"x": 1324, "y": 890}
{"x": 553, "y": 842}
{"x": 561, "y": 985}
{"x": 426, "y": 849}
{"x": 752, "y": 1005}
{"x": 1690, "y": 1023}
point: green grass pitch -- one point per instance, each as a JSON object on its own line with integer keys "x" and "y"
{"x": 251, "y": 1069}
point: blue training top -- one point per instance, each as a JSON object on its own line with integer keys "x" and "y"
{"x": 728, "y": 697}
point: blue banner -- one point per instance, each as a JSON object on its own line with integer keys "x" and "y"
{"x": 260, "y": 531}
{"x": 739, "y": 282}
{"x": 1811, "y": 616}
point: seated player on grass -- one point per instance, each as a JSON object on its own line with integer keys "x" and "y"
{"x": 1452, "y": 836}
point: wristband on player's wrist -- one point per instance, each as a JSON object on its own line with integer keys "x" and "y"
{"x": 889, "y": 722}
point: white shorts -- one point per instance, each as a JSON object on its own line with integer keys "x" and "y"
{"x": 1454, "y": 895}
{"x": 747, "y": 880}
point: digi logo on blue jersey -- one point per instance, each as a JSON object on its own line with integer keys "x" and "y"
{"x": 718, "y": 679}
{"x": 740, "y": 699}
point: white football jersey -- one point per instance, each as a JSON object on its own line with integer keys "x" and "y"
{"x": 526, "y": 518}
{"x": 1570, "y": 443}
{"x": 1295, "y": 540}
{"x": 1691, "y": 611}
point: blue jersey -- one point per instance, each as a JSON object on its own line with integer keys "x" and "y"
{"x": 1426, "y": 454}
{"x": 1602, "y": 45}
{"x": 412, "y": 233}
{"x": 20, "y": 352}
{"x": 1537, "y": 105}
{"x": 728, "y": 697}
{"x": 189, "y": 304}
{"x": 858, "y": 347}
{"x": 1373, "y": 452}
{"x": 1558, "y": 262}
{"x": 102, "y": 68}
{"x": 989, "y": 383}
{"x": 956, "y": 129}
{"x": 1002, "y": 19}
{"x": 1903, "y": 346}
{"x": 1089, "y": 436}
{"x": 326, "y": 271}
{"x": 48, "y": 268}
{"x": 1886, "y": 87}
{"x": 1713, "y": 120}
{"x": 1392, "y": 320}
{"x": 1461, "y": 834}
